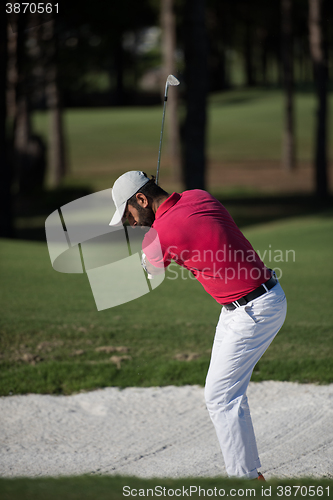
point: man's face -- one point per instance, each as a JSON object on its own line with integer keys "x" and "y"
{"x": 139, "y": 216}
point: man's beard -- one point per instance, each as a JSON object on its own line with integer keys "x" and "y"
{"x": 146, "y": 216}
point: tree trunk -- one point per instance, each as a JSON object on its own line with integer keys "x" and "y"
{"x": 22, "y": 121}
{"x": 57, "y": 165}
{"x": 219, "y": 40}
{"x": 168, "y": 24}
{"x": 57, "y": 145}
{"x": 6, "y": 225}
{"x": 316, "y": 38}
{"x": 288, "y": 148}
{"x": 196, "y": 80}
{"x": 119, "y": 68}
{"x": 11, "y": 73}
{"x": 248, "y": 53}
{"x": 264, "y": 58}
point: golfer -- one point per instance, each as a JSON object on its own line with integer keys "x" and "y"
{"x": 196, "y": 231}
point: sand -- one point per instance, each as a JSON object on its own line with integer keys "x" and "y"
{"x": 162, "y": 432}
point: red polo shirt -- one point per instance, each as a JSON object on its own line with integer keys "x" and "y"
{"x": 197, "y": 232}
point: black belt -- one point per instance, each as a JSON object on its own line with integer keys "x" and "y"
{"x": 252, "y": 295}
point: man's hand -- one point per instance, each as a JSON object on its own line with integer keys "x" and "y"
{"x": 149, "y": 268}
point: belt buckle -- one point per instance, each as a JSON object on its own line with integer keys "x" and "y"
{"x": 237, "y": 303}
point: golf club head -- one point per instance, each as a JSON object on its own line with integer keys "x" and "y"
{"x": 171, "y": 80}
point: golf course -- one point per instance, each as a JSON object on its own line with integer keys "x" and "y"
{"x": 55, "y": 342}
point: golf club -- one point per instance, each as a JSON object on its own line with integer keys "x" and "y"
{"x": 171, "y": 80}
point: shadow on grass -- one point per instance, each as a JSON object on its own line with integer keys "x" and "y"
{"x": 247, "y": 210}
{"x": 253, "y": 209}
{"x": 233, "y": 98}
{"x": 30, "y": 212}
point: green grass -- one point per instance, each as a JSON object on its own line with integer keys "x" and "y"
{"x": 103, "y": 143}
{"x": 87, "y": 487}
{"x": 304, "y": 347}
{"x": 50, "y": 327}
{"x": 243, "y": 125}
{"x": 247, "y": 125}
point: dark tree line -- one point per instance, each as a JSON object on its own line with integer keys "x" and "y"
{"x": 318, "y": 11}
{"x": 281, "y": 42}
{"x": 6, "y": 226}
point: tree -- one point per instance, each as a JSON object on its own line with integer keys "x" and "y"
{"x": 6, "y": 226}
{"x": 28, "y": 148}
{"x": 317, "y": 49}
{"x": 22, "y": 120}
{"x": 248, "y": 50}
{"x": 220, "y": 32}
{"x": 168, "y": 25}
{"x": 288, "y": 154}
{"x": 196, "y": 81}
{"x": 57, "y": 167}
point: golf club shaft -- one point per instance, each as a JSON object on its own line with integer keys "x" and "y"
{"x": 171, "y": 80}
{"x": 161, "y": 137}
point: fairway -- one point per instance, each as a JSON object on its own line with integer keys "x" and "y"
{"x": 244, "y": 142}
{"x": 51, "y": 330}
{"x": 166, "y": 321}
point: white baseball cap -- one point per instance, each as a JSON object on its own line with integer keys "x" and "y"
{"x": 123, "y": 189}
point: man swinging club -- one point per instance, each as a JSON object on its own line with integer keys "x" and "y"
{"x": 196, "y": 231}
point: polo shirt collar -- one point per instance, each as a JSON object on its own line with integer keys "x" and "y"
{"x": 167, "y": 204}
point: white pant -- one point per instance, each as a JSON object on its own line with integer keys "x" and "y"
{"x": 242, "y": 336}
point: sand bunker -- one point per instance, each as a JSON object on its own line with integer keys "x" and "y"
{"x": 163, "y": 432}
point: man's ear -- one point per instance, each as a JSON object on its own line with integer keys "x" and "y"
{"x": 142, "y": 200}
